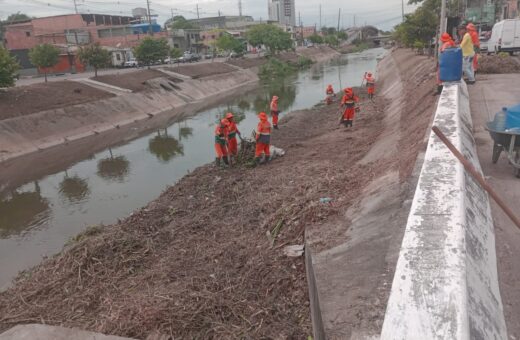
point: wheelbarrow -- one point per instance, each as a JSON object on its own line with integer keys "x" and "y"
{"x": 508, "y": 141}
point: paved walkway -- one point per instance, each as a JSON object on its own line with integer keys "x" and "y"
{"x": 488, "y": 96}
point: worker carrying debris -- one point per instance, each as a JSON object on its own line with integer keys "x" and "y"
{"x": 371, "y": 85}
{"x": 274, "y": 111}
{"x": 446, "y": 42}
{"x": 472, "y": 30}
{"x": 232, "y": 135}
{"x": 221, "y": 142}
{"x": 263, "y": 138}
{"x": 348, "y": 104}
{"x": 330, "y": 94}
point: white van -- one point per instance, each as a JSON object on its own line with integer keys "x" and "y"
{"x": 505, "y": 36}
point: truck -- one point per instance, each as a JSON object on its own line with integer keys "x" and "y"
{"x": 505, "y": 36}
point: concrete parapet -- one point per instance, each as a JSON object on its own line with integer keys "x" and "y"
{"x": 446, "y": 285}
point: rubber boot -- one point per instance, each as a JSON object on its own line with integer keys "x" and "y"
{"x": 275, "y": 126}
{"x": 217, "y": 162}
{"x": 226, "y": 161}
{"x": 257, "y": 161}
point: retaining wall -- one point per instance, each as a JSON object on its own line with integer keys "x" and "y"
{"x": 446, "y": 284}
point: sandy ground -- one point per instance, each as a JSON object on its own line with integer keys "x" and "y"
{"x": 196, "y": 71}
{"x": 248, "y": 62}
{"x": 488, "y": 96}
{"x": 25, "y": 100}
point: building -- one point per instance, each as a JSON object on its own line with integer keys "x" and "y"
{"x": 223, "y": 22}
{"x": 509, "y": 9}
{"x": 282, "y": 11}
{"x": 305, "y": 31}
{"x": 186, "y": 39}
{"x": 488, "y": 12}
{"x": 70, "y": 31}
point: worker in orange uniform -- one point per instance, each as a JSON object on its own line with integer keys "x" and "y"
{"x": 446, "y": 42}
{"x": 232, "y": 135}
{"x": 330, "y": 94}
{"x": 274, "y": 111}
{"x": 472, "y": 30}
{"x": 348, "y": 103}
{"x": 263, "y": 138}
{"x": 221, "y": 142}
{"x": 371, "y": 85}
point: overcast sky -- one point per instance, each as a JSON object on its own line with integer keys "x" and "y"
{"x": 382, "y": 13}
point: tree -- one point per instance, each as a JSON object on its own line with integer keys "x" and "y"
{"x": 95, "y": 56}
{"x": 18, "y": 16}
{"x": 273, "y": 37}
{"x": 175, "y": 52}
{"x": 151, "y": 50}
{"x": 331, "y": 40}
{"x": 342, "y": 35}
{"x": 44, "y": 56}
{"x": 316, "y": 39}
{"x": 8, "y": 68}
{"x": 180, "y": 22}
{"x": 227, "y": 42}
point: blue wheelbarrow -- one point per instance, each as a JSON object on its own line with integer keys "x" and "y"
{"x": 508, "y": 141}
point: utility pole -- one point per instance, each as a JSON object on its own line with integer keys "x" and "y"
{"x": 339, "y": 18}
{"x": 75, "y": 7}
{"x": 219, "y": 12}
{"x": 443, "y": 17}
{"x": 402, "y": 10}
{"x": 198, "y": 16}
{"x": 354, "y": 20}
{"x": 171, "y": 9}
{"x": 150, "y": 30}
{"x": 240, "y": 8}
{"x": 320, "y": 17}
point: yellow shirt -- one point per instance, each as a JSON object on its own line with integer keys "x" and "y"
{"x": 467, "y": 46}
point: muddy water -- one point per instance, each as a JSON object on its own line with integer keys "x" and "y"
{"x": 38, "y": 218}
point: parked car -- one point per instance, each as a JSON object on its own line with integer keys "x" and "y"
{"x": 234, "y": 55}
{"x": 484, "y": 39}
{"x": 189, "y": 57}
{"x": 132, "y": 62}
{"x": 505, "y": 36}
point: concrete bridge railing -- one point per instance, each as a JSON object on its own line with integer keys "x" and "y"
{"x": 446, "y": 284}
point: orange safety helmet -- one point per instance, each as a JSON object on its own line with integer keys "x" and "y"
{"x": 329, "y": 86}
{"x": 471, "y": 27}
{"x": 224, "y": 122}
{"x": 369, "y": 74}
{"x": 229, "y": 115}
{"x": 348, "y": 90}
{"x": 262, "y": 116}
{"x": 275, "y": 97}
{"x": 445, "y": 37}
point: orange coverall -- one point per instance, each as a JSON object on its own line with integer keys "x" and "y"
{"x": 232, "y": 138}
{"x": 371, "y": 86}
{"x": 263, "y": 138}
{"x": 221, "y": 136}
{"x": 330, "y": 93}
{"x": 476, "y": 44}
{"x": 349, "y": 100}
{"x": 274, "y": 111}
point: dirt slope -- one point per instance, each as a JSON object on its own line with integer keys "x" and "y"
{"x": 25, "y": 100}
{"x": 200, "y": 70}
{"x": 135, "y": 81}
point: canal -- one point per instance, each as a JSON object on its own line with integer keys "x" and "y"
{"x": 39, "y": 217}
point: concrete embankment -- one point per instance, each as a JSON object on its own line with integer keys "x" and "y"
{"x": 445, "y": 285}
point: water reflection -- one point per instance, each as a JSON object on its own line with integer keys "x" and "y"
{"x": 74, "y": 188}
{"x": 20, "y": 209}
{"x": 165, "y": 147}
{"x": 113, "y": 168}
{"x": 185, "y": 131}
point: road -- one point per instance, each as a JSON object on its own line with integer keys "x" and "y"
{"x": 488, "y": 96}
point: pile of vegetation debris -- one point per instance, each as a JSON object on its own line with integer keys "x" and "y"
{"x": 498, "y": 63}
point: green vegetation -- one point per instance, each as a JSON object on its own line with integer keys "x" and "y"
{"x": 342, "y": 35}
{"x": 44, "y": 56}
{"x": 273, "y": 37}
{"x": 331, "y": 40}
{"x": 8, "y": 68}
{"x": 151, "y": 51}
{"x": 316, "y": 39}
{"x": 95, "y": 56}
{"x": 227, "y": 42}
{"x": 175, "y": 53}
{"x": 276, "y": 68}
{"x": 180, "y": 22}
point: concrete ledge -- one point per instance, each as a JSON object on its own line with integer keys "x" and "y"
{"x": 446, "y": 284}
{"x": 44, "y": 332}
